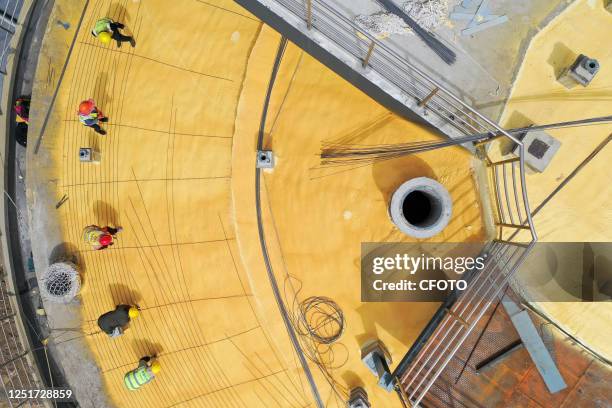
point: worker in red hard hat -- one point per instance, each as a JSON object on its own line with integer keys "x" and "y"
{"x": 90, "y": 116}
{"x": 100, "y": 237}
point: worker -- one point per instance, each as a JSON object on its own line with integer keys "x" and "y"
{"x": 22, "y": 110}
{"x": 147, "y": 369}
{"x": 100, "y": 237}
{"x": 116, "y": 321}
{"x": 22, "y": 119}
{"x": 90, "y": 116}
{"x": 106, "y": 30}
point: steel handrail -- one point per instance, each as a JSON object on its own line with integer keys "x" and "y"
{"x": 298, "y": 8}
{"x": 326, "y": 20}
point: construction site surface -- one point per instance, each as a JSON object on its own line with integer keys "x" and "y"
{"x": 177, "y": 172}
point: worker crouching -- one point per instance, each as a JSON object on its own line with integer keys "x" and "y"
{"x": 106, "y": 30}
{"x": 100, "y": 238}
{"x": 91, "y": 116}
{"x": 116, "y": 321}
{"x": 147, "y": 368}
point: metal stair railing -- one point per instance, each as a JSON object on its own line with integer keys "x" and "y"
{"x": 324, "y": 18}
{"x": 504, "y": 254}
{"x": 513, "y": 218}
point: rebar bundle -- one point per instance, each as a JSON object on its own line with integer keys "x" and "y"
{"x": 333, "y": 153}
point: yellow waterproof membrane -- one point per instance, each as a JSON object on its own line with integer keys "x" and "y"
{"x": 177, "y": 172}
{"x": 581, "y": 211}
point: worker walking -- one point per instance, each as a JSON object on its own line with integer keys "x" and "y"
{"x": 100, "y": 237}
{"x": 91, "y": 116}
{"x": 106, "y": 29}
{"x": 116, "y": 321}
{"x": 147, "y": 368}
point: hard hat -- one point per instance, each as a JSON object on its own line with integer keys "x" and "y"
{"x": 105, "y": 239}
{"x": 133, "y": 312}
{"x": 105, "y": 37}
{"x": 155, "y": 367}
{"x": 86, "y": 107}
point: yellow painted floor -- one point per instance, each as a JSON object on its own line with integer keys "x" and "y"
{"x": 581, "y": 212}
{"x": 178, "y": 172}
{"x": 316, "y": 218}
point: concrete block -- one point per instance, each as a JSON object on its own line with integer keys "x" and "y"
{"x": 88, "y": 155}
{"x": 265, "y": 159}
{"x": 358, "y": 398}
{"x": 376, "y": 357}
{"x": 582, "y": 72}
{"x": 540, "y": 148}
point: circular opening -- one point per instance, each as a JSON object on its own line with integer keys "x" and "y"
{"x": 262, "y": 157}
{"x": 59, "y": 286}
{"x": 592, "y": 65}
{"x": 421, "y": 209}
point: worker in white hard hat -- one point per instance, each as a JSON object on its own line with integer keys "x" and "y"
{"x": 116, "y": 321}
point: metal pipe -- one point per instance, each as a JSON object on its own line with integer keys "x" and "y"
{"x": 506, "y": 193}
{"x": 309, "y": 14}
{"x": 516, "y": 200}
{"x": 366, "y": 60}
{"x": 428, "y": 97}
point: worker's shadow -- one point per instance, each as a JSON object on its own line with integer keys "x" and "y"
{"x": 144, "y": 347}
{"x": 64, "y": 252}
{"x": 105, "y": 214}
{"x": 119, "y": 13}
{"x": 100, "y": 95}
{"x": 124, "y": 295}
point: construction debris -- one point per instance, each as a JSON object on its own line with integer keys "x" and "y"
{"x": 429, "y": 14}
{"x": 382, "y": 25}
{"x": 477, "y": 13}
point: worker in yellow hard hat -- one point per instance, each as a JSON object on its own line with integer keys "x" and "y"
{"x": 106, "y": 30}
{"x": 116, "y": 321}
{"x": 148, "y": 368}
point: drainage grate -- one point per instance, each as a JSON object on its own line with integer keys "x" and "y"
{"x": 538, "y": 148}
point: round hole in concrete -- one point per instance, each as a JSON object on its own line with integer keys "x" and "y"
{"x": 421, "y": 207}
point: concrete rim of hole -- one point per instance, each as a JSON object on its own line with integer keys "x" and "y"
{"x": 421, "y": 207}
